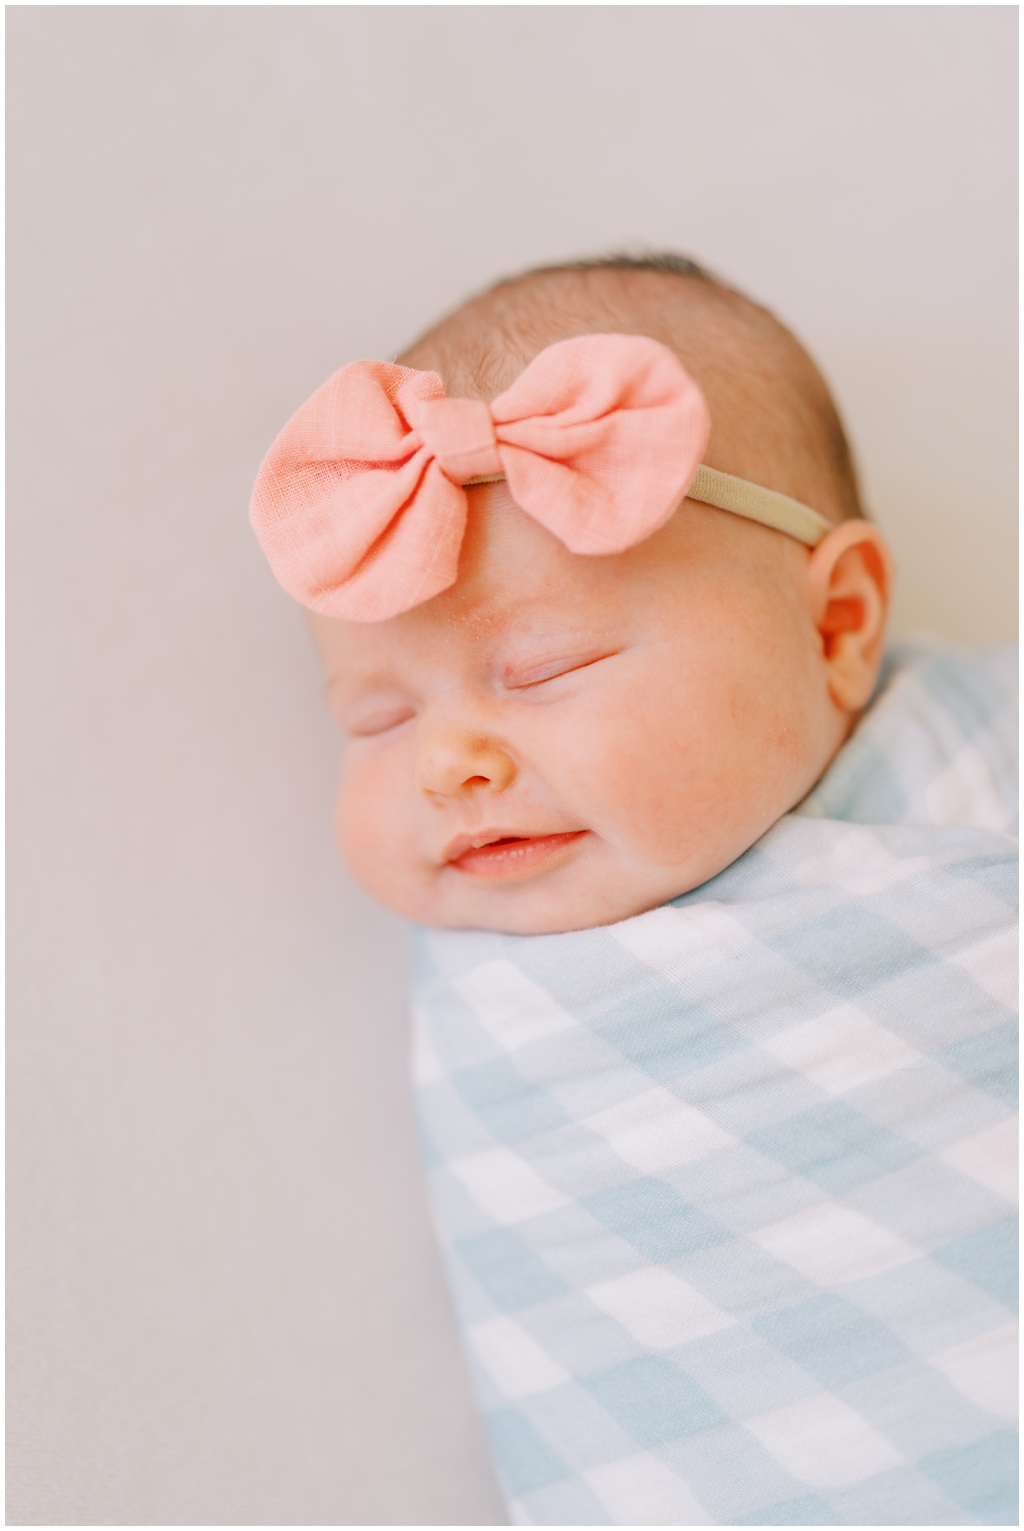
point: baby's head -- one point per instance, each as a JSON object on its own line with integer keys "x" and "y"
{"x": 563, "y": 739}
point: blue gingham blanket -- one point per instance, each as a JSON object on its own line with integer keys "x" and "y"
{"x": 726, "y": 1190}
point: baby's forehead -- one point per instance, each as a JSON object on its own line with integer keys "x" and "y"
{"x": 519, "y": 591}
{"x": 521, "y": 595}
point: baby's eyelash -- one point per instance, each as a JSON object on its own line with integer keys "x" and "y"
{"x": 525, "y": 680}
{"x": 379, "y": 722}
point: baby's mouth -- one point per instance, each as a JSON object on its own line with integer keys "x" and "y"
{"x": 510, "y": 855}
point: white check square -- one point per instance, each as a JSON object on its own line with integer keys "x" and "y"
{"x": 822, "y": 1442}
{"x": 831, "y": 1244}
{"x": 658, "y": 1309}
{"x": 840, "y": 1049}
{"x": 514, "y": 1359}
{"x": 655, "y": 1130}
{"x": 513, "y": 1009}
{"x": 506, "y": 1187}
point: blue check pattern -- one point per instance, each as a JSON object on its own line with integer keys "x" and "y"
{"x": 726, "y": 1191}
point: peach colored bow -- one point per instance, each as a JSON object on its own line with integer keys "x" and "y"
{"x": 360, "y": 506}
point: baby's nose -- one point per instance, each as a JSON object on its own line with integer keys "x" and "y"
{"x": 456, "y": 764}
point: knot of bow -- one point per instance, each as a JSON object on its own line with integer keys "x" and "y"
{"x": 360, "y": 503}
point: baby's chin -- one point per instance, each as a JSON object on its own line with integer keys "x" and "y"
{"x": 542, "y": 917}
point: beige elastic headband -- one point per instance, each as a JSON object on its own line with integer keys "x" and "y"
{"x": 744, "y": 499}
{"x": 606, "y": 434}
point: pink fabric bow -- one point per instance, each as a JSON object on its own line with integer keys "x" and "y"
{"x": 359, "y": 504}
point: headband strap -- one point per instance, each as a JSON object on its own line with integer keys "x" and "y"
{"x": 765, "y": 505}
{"x": 743, "y": 498}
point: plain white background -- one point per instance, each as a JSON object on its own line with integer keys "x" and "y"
{"x": 226, "y": 1306}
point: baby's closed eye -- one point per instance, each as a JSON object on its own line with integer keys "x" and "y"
{"x": 524, "y": 677}
{"x": 381, "y": 722}
{"x": 371, "y": 715}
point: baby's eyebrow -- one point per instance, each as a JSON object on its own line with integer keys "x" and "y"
{"x": 363, "y": 673}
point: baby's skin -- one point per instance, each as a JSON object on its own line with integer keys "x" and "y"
{"x": 559, "y": 741}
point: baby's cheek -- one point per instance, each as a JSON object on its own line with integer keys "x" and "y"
{"x": 670, "y": 767}
{"x": 368, "y": 828}
{"x": 620, "y": 763}
{"x": 352, "y": 824}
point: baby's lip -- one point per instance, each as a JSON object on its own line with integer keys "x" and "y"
{"x": 504, "y": 853}
{"x": 480, "y": 837}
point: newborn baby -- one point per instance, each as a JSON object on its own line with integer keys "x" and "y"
{"x": 709, "y": 1023}
{"x": 561, "y": 740}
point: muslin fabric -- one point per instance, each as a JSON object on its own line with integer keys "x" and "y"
{"x": 726, "y": 1191}
{"x": 359, "y": 504}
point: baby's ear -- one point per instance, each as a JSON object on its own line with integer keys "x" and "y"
{"x": 850, "y": 577}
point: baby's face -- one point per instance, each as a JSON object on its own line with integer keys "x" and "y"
{"x": 561, "y": 741}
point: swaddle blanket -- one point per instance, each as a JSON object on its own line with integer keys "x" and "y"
{"x": 726, "y": 1190}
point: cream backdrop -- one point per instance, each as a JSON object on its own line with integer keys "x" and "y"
{"x": 225, "y": 1303}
